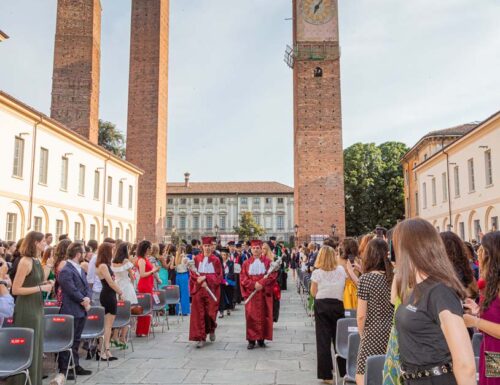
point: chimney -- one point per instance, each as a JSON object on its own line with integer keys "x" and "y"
{"x": 186, "y": 179}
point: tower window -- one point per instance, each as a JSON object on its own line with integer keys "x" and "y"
{"x": 318, "y": 72}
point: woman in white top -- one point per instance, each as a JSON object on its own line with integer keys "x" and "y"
{"x": 327, "y": 288}
{"x": 124, "y": 278}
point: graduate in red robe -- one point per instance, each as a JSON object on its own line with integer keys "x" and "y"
{"x": 203, "y": 307}
{"x": 259, "y": 311}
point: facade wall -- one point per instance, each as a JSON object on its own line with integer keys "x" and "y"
{"x": 459, "y": 204}
{"x": 54, "y": 208}
{"x": 230, "y": 207}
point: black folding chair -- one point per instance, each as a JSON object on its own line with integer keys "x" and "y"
{"x": 16, "y": 352}
{"x": 145, "y": 300}
{"x": 58, "y": 337}
{"x": 173, "y": 297}
{"x": 8, "y": 322}
{"x": 345, "y": 326}
{"x": 374, "y": 370}
{"x": 160, "y": 306}
{"x": 123, "y": 318}
{"x": 350, "y": 313}
{"x": 477, "y": 339}
{"x": 51, "y": 310}
{"x": 352, "y": 356}
{"x": 94, "y": 327}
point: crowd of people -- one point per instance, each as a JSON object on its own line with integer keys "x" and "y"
{"x": 418, "y": 295}
{"x": 77, "y": 275}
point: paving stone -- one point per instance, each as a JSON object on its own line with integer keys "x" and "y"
{"x": 170, "y": 376}
{"x": 277, "y": 365}
{"x": 219, "y": 376}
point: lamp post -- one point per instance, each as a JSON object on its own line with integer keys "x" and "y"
{"x": 216, "y": 232}
{"x": 296, "y": 233}
{"x": 173, "y": 235}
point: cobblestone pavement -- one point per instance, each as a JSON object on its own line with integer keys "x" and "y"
{"x": 171, "y": 359}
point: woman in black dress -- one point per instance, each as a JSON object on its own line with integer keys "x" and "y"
{"x": 108, "y": 294}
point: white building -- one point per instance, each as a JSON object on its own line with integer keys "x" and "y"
{"x": 458, "y": 186}
{"x": 195, "y": 209}
{"x": 54, "y": 180}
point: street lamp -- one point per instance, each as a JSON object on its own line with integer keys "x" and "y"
{"x": 334, "y": 229}
{"x": 216, "y": 232}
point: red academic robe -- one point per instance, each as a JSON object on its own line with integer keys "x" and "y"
{"x": 203, "y": 308}
{"x": 259, "y": 311}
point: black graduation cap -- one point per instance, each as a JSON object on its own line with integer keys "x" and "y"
{"x": 273, "y": 238}
{"x": 230, "y": 243}
{"x": 224, "y": 250}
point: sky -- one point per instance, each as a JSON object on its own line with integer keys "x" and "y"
{"x": 407, "y": 67}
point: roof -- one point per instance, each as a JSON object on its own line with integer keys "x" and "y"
{"x": 21, "y": 107}
{"x": 229, "y": 188}
{"x": 453, "y": 131}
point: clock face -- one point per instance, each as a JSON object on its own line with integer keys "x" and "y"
{"x": 317, "y": 11}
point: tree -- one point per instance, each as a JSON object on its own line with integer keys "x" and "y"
{"x": 111, "y": 138}
{"x": 373, "y": 186}
{"x": 248, "y": 228}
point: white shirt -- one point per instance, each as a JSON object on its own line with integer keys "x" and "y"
{"x": 257, "y": 268}
{"x": 76, "y": 265}
{"x": 206, "y": 267}
{"x": 330, "y": 283}
{"x": 91, "y": 275}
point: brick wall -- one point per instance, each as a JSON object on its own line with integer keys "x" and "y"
{"x": 75, "y": 81}
{"x": 147, "y": 111}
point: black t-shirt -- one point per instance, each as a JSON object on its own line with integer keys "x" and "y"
{"x": 421, "y": 340}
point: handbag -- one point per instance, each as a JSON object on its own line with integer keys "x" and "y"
{"x": 136, "y": 310}
{"x": 492, "y": 364}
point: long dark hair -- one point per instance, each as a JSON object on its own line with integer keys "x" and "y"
{"x": 491, "y": 267}
{"x": 121, "y": 253}
{"x": 376, "y": 258}
{"x": 28, "y": 247}
{"x": 60, "y": 253}
{"x": 104, "y": 254}
{"x": 457, "y": 252}
{"x": 142, "y": 248}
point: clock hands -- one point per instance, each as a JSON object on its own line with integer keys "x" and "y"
{"x": 316, "y": 7}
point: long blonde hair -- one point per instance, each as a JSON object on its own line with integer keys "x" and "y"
{"x": 179, "y": 255}
{"x": 155, "y": 250}
{"x": 326, "y": 260}
{"x": 268, "y": 253}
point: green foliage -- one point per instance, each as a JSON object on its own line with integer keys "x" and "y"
{"x": 111, "y": 138}
{"x": 248, "y": 228}
{"x": 373, "y": 180}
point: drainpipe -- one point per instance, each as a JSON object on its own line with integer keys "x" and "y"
{"x": 105, "y": 183}
{"x": 32, "y": 176}
{"x": 450, "y": 226}
{"x": 409, "y": 189}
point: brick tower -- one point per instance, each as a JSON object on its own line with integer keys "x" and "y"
{"x": 147, "y": 112}
{"x": 77, "y": 55}
{"x": 318, "y": 157}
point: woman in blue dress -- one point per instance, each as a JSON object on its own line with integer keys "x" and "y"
{"x": 182, "y": 280}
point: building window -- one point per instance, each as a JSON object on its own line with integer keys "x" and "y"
{"x": 209, "y": 221}
{"x": 117, "y": 233}
{"x": 77, "y": 235}
{"x": 222, "y": 201}
{"x": 120, "y": 193}
{"x": 406, "y": 176}
{"x": 444, "y": 181}
{"x": 196, "y": 222}
{"x": 106, "y": 231}
{"x": 170, "y": 222}
{"x": 44, "y": 164}
{"x": 64, "y": 174}
{"x": 127, "y": 235}
{"x": 257, "y": 219}
{"x": 11, "y": 229}
{"x": 256, "y": 201}
{"x": 130, "y": 197}
{"x": 456, "y": 179}
{"x": 244, "y": 201}
{"x": 477, "y": 229}
{"x": 182, "y": 223}
{"x": 433, "y": 187}
{"x": 280, "y": 222}
{"x": 269, "y": 201}
{"x": 110, "y": 189}
{"x": 470, "y": 167}
{"x": 59, "y": 228}
{"x": 38, "y": 224}
{"x": 268, "y": 223}
{"x": 196, "y": 201}
{"x": 487, "y": 165}
{"x": 424, "y": 195}
{"x": 183, "y": 201}
{"x": 461, "y": 230}
{"x": 281, "y": 201}
{"x": 494, "y": 223}
{"x": 17, "y": 169}
{"x": 416, "y": 203}
{"x": 97, "y": 183}
{"x": 222, "y": 222}
{"x": 92, "y": 231}
{"x": 81, "y": 180}
{"x": 209, "y": 201}
{"x": 170, "y": 201}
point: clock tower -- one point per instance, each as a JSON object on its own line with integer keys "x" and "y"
{"x": 318, "y": 155}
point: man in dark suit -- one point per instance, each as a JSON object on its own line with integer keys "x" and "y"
{"x": 76, "y": 296}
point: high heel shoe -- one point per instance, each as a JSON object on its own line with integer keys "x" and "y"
{"x": 108, "y": 358}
